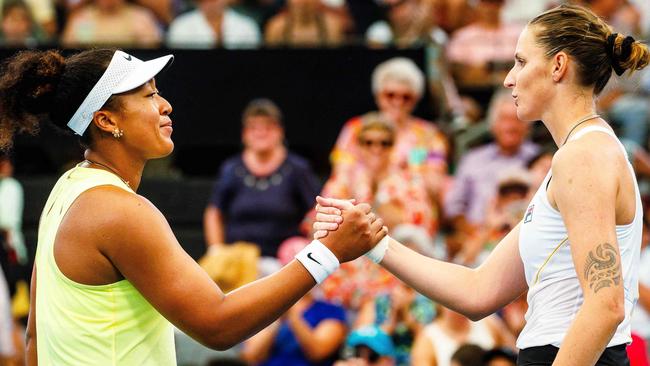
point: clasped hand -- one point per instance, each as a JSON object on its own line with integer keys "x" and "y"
{"x": 349, "y": 230}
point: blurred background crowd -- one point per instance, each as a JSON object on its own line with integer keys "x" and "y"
{"x": 440, "y": 154}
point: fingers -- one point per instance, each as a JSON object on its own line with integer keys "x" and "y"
{"x": 320, "y": 234}
{"x": 335, "y": 202}
{"x": 328, "y": 210}
{"x": 377, "y": 226}
{"x": 328, "y": 218}
{"x": 327, "y": 226}
{"x": 364, "y": 207}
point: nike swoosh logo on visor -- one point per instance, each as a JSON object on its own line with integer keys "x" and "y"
{"x": 312, "y": 258}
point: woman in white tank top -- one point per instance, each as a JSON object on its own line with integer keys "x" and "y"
{"x": 577, "y": 248}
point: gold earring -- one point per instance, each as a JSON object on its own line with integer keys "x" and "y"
{"x": 117, "y": 133}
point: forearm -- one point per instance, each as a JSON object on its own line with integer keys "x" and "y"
{"x": 588, "y": 336}
{"x": 251, "y": 308}
{"x": 213, "y": 226}
{"x": 449, "y": 284}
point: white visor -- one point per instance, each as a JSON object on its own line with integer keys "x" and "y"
{"x": 124, "y": 73}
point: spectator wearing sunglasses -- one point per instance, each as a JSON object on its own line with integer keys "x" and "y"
{"x": 374, "y": 179}
{"x": 420, "y": 148}
{"x": 400, "y": 198}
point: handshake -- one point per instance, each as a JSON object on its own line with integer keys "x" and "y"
{"x": 348, "y": 230}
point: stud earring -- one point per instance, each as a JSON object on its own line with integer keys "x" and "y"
{"x": 117, "y": 133}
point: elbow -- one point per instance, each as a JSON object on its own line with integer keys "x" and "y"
{"x": 219, "y": 338}
{"x": 477, "y": 314}
{"x": 220, "y": 343}
{"x": 616, "y": 312}
{"x": 610, "y": 311}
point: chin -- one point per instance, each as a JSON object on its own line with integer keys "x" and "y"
{"x": 164, "y": 150}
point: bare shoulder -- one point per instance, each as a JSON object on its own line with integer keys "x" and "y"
{"x": 106, "y": 210}
{"x": 592, "y": 154}
{"x": 115, "y": 203}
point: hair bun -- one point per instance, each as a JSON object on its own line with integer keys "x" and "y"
{"x": 27, "y": 90}
{"x": 626, "y": 53}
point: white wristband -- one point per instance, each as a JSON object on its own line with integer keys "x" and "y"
{"x": 319, "y": 260}
{"x": 377, "y": 253}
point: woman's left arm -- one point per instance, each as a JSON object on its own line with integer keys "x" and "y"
{"x": 318, "y": 342}
{"x": 585, "y": 187}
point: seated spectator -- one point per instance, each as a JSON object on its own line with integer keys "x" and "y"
{"x": 439, "y": 340}
{"x": 111, "y": 22}
{"x": 478, "y": 171}
{"x": 304, "y": 23}
{"x": 419, "y": 146}
{"x": 402, "y": 314}
{"x": 409, "y": 23}
{"x": 42, "y": 13}
{"x": 213, "y": 24}
{"x": 374, "y": 180}
{"x": 18, "y": 28}
{"x": 499, "y": 357}
{"x": 311, "y": 332}
{"x": 503, "y": 213}
{"x": 368, "y": 346}
{"x": 482, "y": 53}
{"x": 261, "y": 195}
{"x": 164, "y": 10}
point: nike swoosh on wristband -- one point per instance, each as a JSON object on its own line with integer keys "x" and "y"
{"x": 312, "y": 258}
{"x": 127, "y": 57}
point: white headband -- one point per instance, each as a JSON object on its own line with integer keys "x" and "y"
{"x": 124, "y": 73}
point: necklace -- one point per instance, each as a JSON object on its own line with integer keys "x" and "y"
{"x": 110, "y": 169}
{"x": 581, "y": 121}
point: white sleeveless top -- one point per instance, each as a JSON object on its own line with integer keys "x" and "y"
{"x": 445, "y": 346}
{"x": 554, "y": 292}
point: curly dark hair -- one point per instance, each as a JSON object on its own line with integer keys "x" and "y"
{"x": 43, "y": 86}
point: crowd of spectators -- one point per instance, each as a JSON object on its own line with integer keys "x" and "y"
{"x": 449, "y": 188}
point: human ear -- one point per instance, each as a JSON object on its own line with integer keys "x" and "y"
{"x": 560, "y": 64}
{"x": 105, "y": 121}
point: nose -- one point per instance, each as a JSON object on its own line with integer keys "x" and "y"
{"x": 165, "y": 107}
{"x": 509, "y": 81}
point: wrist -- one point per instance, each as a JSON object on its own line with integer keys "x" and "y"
{"x": 377, "y": 253}
{"x": 319, "y": 261}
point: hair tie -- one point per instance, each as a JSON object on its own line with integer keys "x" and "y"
{"x": 626, "y": 51}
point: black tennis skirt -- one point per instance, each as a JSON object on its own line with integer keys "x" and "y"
{"x": 544, "y": 356}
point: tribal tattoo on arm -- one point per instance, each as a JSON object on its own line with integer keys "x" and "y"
{"x": 602, "y": 268}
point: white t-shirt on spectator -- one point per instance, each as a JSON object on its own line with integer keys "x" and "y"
{"x": 192, "y": 30}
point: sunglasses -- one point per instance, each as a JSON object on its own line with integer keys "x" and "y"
{"x": 404, "y": 97}
{"x": 381, "y": 143}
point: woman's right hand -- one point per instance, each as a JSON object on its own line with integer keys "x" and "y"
{"x": 353, "y": 233}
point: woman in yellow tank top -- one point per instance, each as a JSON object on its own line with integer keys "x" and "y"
{"x": 109, "y": 275}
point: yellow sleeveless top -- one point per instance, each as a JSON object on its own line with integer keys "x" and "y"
{"x": 79, "y": 324}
